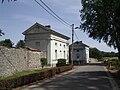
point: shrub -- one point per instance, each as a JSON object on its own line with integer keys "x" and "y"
{"x": 114, "y": 63}
{"x": 117, "y": 63}
{"x": 43, "y": 62}
{"x": 61, "y": 62}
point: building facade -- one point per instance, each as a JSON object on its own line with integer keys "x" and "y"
{"x": 44, "y": 39}
{"x": 80, "y": 54}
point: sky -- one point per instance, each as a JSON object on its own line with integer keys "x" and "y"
{"x": 16, "y": 17}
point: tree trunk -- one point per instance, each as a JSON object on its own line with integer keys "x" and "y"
{"x": 118, "y": 39}
{"x": 118, "y": 52}
{"x": 118, "y": 44}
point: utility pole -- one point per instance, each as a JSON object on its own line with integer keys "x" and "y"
{"x": 72, "y": 44}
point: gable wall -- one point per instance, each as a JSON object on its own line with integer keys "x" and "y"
{"x": 80, "y": 53}
{"x": 32, "y": 40}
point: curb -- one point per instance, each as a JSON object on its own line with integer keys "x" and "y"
{"x": 112, "y": 81}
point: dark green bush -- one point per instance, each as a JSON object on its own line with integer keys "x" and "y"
{"x": 114, "y": 63}
{"x": 61, "y": 62}
{"x": 43, "y": 62}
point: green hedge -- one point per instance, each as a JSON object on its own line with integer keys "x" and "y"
{"x": 61, "y": 62}
{"x": 23, "y": 80}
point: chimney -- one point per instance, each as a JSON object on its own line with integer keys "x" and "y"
{"x": 48, "y": 26}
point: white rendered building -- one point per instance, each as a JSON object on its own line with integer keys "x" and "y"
{"x": 80, "y": 53}
{"x": 44, "y": 39}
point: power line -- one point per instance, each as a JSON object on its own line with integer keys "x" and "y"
{"x": 52, "y": 14}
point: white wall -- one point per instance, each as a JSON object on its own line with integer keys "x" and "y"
{"x": 80, "y": 53}
{"x": 44, "y": 43}
{"x": 42, "y": 39}
{"x": 60, "y": 45}
{"x": 87, "y": 54}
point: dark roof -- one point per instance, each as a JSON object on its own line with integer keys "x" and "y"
{"x": 45, "y": 28}
{"x": 80, "y": 43}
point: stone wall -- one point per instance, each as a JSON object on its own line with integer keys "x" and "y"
{"x": 15, "y": 60}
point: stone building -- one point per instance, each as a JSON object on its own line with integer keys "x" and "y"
{"x": 45, "y": 39}
{"x": 80, "y": 53}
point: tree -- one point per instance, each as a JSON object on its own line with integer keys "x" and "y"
{"x": 101, "y": 21}
{"x": 108, "y": 54}
{"x": 6, "y": 42}
{"x": 21, "y": 44}
{"x": 95, "y": 53}
{"x": 43, "y": 62}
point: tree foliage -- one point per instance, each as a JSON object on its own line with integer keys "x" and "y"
{"x": 108, "y": 54}
{"x": 101, "y": 21}
{"x": 21, "y": 44}
{"x": 7, "y": 0}
{"x": 1, "y": 33}
{"x": 43, "y": 62}
{"x": 6, "y": 43}
{"x": 95, "y": 53}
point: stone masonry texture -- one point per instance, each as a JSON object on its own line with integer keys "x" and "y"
{"x": 15, "y": 60}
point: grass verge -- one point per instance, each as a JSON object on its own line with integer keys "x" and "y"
{"x": 23, "y": 73}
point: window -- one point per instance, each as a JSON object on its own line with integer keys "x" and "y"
{"x": 55, "y": 54}
{"x": 55, "y": 44}
{"x": 64, "y": 54}
{"x": 77, "y": 42}
{"x": 60, "y": 53}
{"x": 77, "y": 57}
{"x": 67, "y": 44}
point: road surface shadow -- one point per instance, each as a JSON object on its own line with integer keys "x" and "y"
{"x": 97, "y": 64}
{"x": 92, "y": 80}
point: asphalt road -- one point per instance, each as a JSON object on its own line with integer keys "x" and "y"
{"x": 86, "y": 77}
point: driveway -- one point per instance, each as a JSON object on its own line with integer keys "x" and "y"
{"x": 86, "y": 77}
